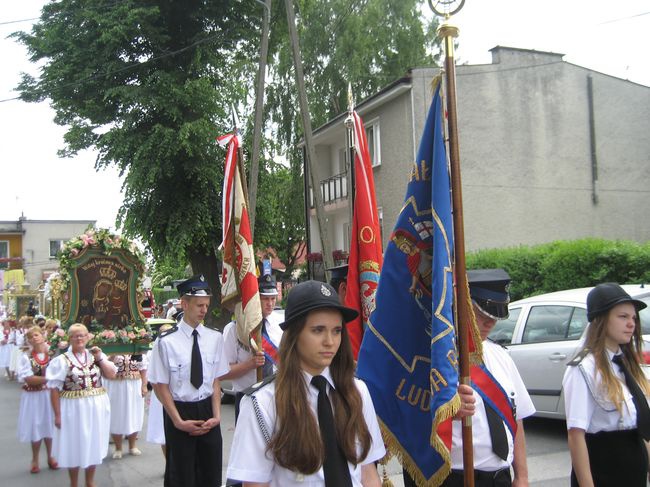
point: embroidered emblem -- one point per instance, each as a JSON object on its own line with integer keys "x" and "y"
{"x": 202, "y": 278}
{"x": 324, "y": 291}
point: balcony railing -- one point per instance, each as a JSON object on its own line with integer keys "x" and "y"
{"x": 331, "y": 189}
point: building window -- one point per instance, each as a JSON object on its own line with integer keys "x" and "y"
{"x": 55, "y": 248}
{"x": 372, "y": 133}
{"x": 4, "y": 254}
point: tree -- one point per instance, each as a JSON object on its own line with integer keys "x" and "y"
{"x": 146, "y": 83}
{"x": 368, "y": 43}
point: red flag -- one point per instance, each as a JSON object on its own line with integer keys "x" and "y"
{"x": 365, "y": 247}
{"x": 239, "y": 278}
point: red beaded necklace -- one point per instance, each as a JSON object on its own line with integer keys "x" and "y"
{"x": 39, "y": 361}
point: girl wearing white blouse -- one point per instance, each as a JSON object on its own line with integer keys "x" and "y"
{"x": 605, "y": 391}
{"x": 315, "y": 423}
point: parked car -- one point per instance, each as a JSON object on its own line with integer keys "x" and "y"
{"x": 227, "y": 392}
{"x": 543, "y": 333}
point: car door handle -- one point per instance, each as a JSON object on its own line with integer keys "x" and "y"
{"x": 556, "y": 357}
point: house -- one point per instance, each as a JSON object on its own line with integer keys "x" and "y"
{"x": 549, "y": 150}
{"x": 32, "y": 245}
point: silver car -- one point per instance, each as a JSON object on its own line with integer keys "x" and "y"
{"x": 545, "y": 332}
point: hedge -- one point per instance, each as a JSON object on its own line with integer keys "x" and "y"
{"x": 562, "y": 265}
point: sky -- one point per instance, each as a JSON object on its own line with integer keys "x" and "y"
{"x": 610, "y": 37}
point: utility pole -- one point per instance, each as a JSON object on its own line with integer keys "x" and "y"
{"x": 312, "y": 161}
{"x": 259, "y": 112}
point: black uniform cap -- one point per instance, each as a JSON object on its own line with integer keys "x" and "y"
{"x": 488, "y": 289}
{"x": 267, "y": 285}
{"x": 194, "y": 286}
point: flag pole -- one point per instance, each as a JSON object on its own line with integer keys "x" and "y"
{"x": 464, "y": 312}
{"x": 242, "y": 178}
{"x": 349, "y": 153}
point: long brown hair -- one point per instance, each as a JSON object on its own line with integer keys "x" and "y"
{"x": 632, "y": 357}
{"x": 297, "y": 444}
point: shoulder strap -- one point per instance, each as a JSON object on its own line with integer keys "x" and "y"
{"x": 259, "y": 385}
{"x": 578, "y": 358}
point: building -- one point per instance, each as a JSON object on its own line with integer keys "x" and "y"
{"x": 32, "y": 245}
{"x": 549, "y": 150}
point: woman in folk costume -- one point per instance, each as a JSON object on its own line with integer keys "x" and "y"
{"x": 19, "y": 346}
{"x": 126, "y": 393}
{"x": 314, "y": 424}
{"x": 5, "y": 347}
{"x": 82, "y": 410}
{"x": 35, "y": 417}
{"x": 605, "y": 391}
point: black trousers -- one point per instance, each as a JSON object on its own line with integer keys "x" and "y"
{"x": 500, "y": 478}
{"x": 616, "y": 459}
{"x": 193, "y": 461}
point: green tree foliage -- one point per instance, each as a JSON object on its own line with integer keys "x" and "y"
{"x": 563, "y": 265}
{"x": 146, "y": 83}
{"x": 368, "y": 43}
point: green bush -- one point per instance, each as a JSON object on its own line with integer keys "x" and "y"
{"x": 562, "y": 265}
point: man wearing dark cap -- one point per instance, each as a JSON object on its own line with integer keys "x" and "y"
{"x": 243, "y": 362}
{"x": 339, "y": 280}
{"x": 186, "y": 364}
{"x": 496, "y": 448}
{"x": 493, "y": 453}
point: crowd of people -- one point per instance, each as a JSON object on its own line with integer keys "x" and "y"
{"x": 310, "y": 421}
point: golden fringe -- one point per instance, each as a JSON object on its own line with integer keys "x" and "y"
{"x": 129, "y": 376}
{"x": 475, "y": 357}
{"x": 98, "y": 391}
{"x": 393, "y": 445}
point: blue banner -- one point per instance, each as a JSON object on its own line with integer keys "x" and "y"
{"x": 408, "y": 356}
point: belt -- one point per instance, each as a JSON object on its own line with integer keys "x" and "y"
{"x": 484, "y": 474}
{"x": 207, "y": 399}
{"x": 96, "y": 391}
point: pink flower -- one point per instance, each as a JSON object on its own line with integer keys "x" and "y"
{"x": 131, "y": 335}
{"x": 143, "y": 333}
{"x": 87, "y": 239}
{"x": 60, "y": 332}
{"x": 91, "y": 336}
{"x": 123, "y": 333}
{"x": 74, "y": 252}
{"x": 63, "y": 345}
{"x": 108, "y": 334}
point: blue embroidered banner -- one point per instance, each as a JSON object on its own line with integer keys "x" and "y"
{"x": 408, "y": 356}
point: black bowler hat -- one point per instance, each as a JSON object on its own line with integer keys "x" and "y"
{"x": 267, "y": 285}
{"x": 312, "y": 295}
{"x": 194, "y": 286}
{"x": 488, "y": 289}
{"x": 605, "y": 296}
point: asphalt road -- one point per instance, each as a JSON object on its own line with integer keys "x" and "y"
{"x": 548, "y": 456}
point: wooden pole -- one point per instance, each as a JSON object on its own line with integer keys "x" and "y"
{"x": 349, "y": 157}
{"x": 463, "y": 307}
{"x": 312, "y": 160}
{"x": 259, "y": 112}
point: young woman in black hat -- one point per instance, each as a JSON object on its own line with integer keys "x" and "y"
{"x": 605, "y": 391}
{"x": 287, "y": 433}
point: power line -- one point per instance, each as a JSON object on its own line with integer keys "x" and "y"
{"x": 624, "y": 18}
{"x": 18, "y": 21}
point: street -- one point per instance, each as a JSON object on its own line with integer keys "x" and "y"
{"x": 548, "y": 457}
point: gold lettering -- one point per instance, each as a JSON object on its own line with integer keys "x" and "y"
{"x": 453, "y": 358}
{"x": 399, "y": 390}
{"x": 415, "y": 176}
{"x": 414, "y": 392}
{"x": 424, "y": 171}
{"x": 436, "y": 379}
{"x": 417, "y": 396}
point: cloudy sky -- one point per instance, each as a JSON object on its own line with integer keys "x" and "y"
{"x": 610, "y": 37}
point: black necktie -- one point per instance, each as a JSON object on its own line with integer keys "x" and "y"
{"x": 335, "y": 466}
{"x": 497, "y": 432}
{"x": 638, "y": 398}
{"x": 267, "y": 368}
{"x": 196, "y": 372}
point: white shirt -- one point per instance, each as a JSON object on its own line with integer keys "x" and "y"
{"x": 249, "y": 460}
{"x": 586, "y": 404}
{"x": 171, "y": 361}
{"x": 501, "y": 366}
{"x": 235, "y": 353}
{"x": 170, "y": 313}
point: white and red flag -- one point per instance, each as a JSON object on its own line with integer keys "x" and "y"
{"x": 238, "y": 279}
{"x": 365, "y": 246}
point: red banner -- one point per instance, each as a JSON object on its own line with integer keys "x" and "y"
{"x": 365, "y": 246}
